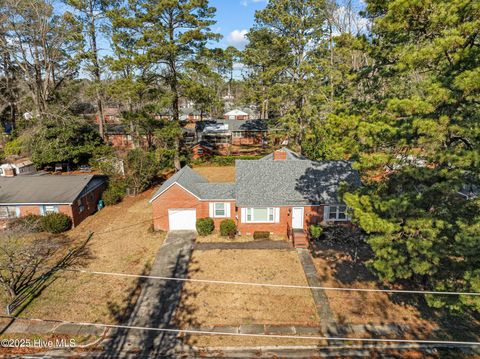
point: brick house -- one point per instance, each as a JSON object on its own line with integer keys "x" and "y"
{"x": 221, "y": 134}
{"x": 74, "y": 195}
{"x": 202, "y": 149}
{"x": 281, "y": 193}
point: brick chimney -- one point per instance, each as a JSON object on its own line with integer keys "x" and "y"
{"x": 279, "y": 155}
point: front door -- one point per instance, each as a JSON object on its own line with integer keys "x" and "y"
{"x": 297, "y": 218}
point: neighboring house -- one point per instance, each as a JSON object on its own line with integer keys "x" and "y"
{"x": 17, "y": 168}
{"x": 202, "y": 149}
{"x": 281, "y": 193}
{"x": 75, "y": 195}
{"x": 190, "y": 115}
{"x": 236, "y": 114}
{"x": 223, "y": 133}
{"x": 111, "y": 114}
{"x": 117, "y": 136}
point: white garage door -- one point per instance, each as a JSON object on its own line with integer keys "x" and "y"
{"x": 182, "y": 219}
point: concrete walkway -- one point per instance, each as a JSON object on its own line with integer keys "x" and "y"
{"x": 156, "y": 304}
{"x": 243, "y": 245}
{"x": 319, "y": 296}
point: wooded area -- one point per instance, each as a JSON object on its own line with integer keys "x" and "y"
{"x": 395, "y": 88}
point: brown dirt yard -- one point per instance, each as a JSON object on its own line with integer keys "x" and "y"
{"x": 122, "y": 242}
{"x": 336, "y": 267}
{"x": 217, "y": 174}
{"x": 215, "y": 304}
{"x": 208, "y": 305}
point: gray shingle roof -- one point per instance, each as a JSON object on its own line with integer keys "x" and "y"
{"x": 234, "y": 125}
{"x": 216, "y": 190}
{"x": 292, "y": 156}
{"x": 291, "y": 183}
{"x": 46, "y": 189}
{"x": 198, "y": 185}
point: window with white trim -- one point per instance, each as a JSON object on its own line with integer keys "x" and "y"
{"x": 50, "y": 209}
{"x": 8, "y": 212}
{"x": 219, "y": 210}
{"x": 338, "y": 213}
{"x": 260, "y": 215}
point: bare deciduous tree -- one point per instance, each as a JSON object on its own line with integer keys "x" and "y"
{"x": 28, "y": 258}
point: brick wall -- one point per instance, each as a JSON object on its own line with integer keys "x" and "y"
{"x": 312, "y": 215}
{"x": 254, "y": 139}
{"x": 89, "y": 202}
{"x": 119, "y": 141}
{"x": 177, "y": 197}
{"x": 196, "y": 155}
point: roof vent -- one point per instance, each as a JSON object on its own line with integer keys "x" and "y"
{"x": 279, "y": 155}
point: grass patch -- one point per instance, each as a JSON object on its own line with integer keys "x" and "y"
{"x": 217, "y": 174}
{"x": 213, "y": 304}
{"x": 122, "y": 242}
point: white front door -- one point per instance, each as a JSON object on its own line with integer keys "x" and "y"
{"x": 182, "y": 219}
{"x": 297, "y": 218}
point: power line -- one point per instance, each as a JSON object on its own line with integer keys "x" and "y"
{"x": 205, "y": 332}
{"x": 290, "y": 286}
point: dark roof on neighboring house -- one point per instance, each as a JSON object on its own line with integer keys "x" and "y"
{"x": 197, "y": 185}
{"x": 48, "y": 189}
{"x": 235, "y": 125}
{"x": 115, "y": 129}
{"x": 246, "y": 125}
{"x": 292, "y": 156}
{"x": 291, "y": 183}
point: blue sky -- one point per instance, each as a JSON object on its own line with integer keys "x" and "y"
{"x": 234, "y": 17}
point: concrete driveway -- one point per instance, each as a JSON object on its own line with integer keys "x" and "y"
{"x": 156, "y": 303}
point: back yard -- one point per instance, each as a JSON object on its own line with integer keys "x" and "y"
{"x": 122, "y": 242}
{"x": 217, "y": 174}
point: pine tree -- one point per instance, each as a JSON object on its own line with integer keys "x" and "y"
{"x": 165, "y": 35}
{"x": 422, "y": 140}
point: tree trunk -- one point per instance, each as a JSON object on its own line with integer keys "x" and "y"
{"x": 175, "y": 100}
{"x": 96, "y": 70}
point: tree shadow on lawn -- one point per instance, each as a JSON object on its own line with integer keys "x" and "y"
{"x": 347, "y": 261}
{"x": 79, "y": 255}
{"x": 152, "y": 303}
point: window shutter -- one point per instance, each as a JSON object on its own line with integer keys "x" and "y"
{"x": 243, "y": 213}
{"x": 211, "y": 209}
{"x": 276, "y": 216}
{"x": 227, "y": 209}
{"x": 326, "y": 213}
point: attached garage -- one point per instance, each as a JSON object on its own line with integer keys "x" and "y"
{"x": 182, "y": 219}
